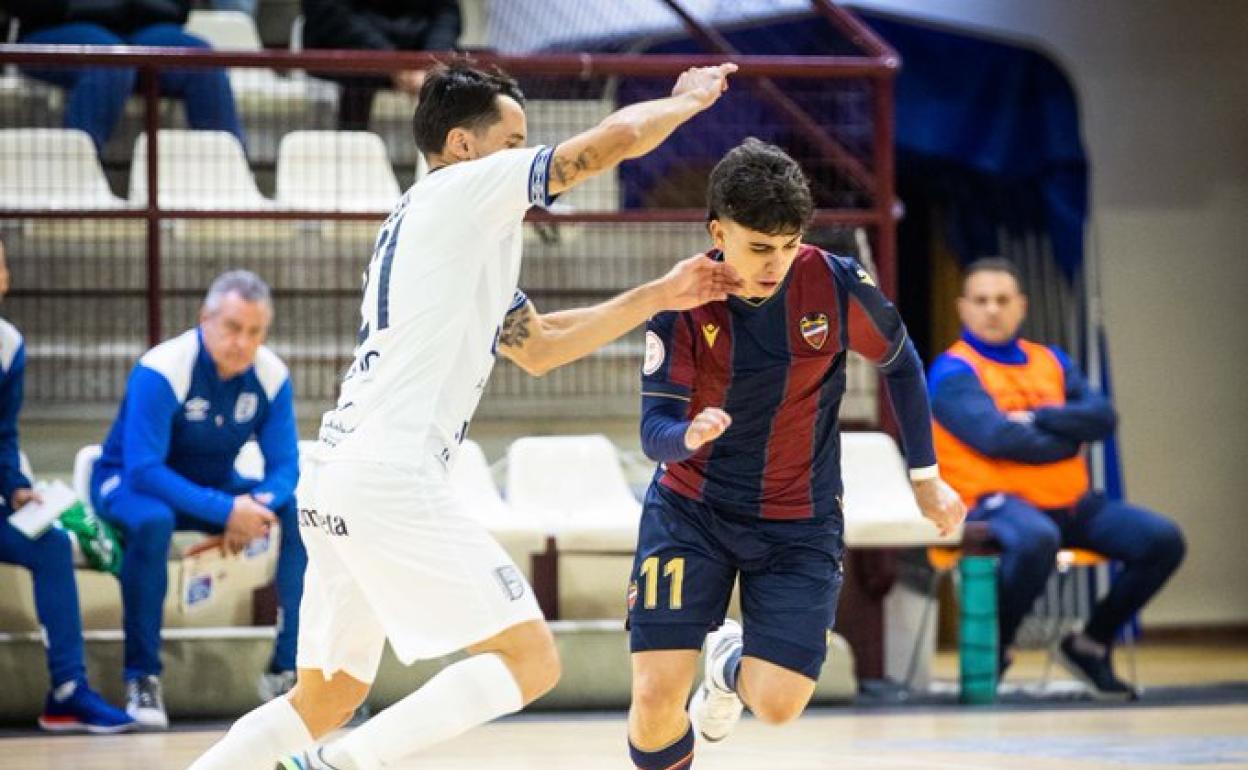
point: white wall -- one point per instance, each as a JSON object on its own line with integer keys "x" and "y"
{"x": 1163, "y": 89}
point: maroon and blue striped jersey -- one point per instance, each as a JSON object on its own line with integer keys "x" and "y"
{"x": 777, "y": 367}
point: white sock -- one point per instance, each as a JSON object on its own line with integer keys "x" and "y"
{"x": 460, "y": 697}
{"x": 258, "y": 740}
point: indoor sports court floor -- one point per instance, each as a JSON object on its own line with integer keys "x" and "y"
{"x": 1195, "y": 715}
{"x": 939, "y": 739}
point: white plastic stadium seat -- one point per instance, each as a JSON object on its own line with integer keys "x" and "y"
{"x": 52, "y": 168}
{"x": 574, "y": 485}
{"x": 83, "y": 462}
{"x": 880, "y": 511}
{"x": 520, "y": 534}
{"x": 225, "y": 30}
{"x": 202, "y": 170}
{"x": 235, "y": 31}
{"x": 335, "y": 170}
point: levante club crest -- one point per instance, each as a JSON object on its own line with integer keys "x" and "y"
{"x": 814, "y": 328}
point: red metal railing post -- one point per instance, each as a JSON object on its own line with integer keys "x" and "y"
{"x": 151, "y": 124}
{"x": 886, "y": 206}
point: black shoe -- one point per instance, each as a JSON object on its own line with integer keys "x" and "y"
{"x": 1003, "y": 664}
{"x": 1094, "y": 671}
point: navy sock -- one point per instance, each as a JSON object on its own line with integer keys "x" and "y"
{"x": 676, "y": 756}
{"x": 732, "y": 667}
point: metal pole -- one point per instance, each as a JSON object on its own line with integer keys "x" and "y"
{"x": 151, "y": 122}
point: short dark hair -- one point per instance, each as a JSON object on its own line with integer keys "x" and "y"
{"x": 992, "y": 265}
{"x": 757, "y": 185}
{"x": 457, "y": 95}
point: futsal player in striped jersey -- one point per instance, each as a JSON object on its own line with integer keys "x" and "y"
{"x": 739, "y": 407}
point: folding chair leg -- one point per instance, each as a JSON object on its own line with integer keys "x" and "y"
{"x": 912, "y": 670}
{"x": 1055, "y": 635}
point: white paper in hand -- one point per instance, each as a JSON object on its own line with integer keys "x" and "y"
{"x": 34, "y": 518}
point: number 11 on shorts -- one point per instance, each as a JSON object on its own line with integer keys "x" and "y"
{"x": 674, "y": 570}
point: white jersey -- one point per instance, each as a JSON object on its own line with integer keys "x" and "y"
{"x": 442, "y": 277}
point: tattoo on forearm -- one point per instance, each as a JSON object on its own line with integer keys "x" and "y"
{"x": 567, "y": 170}
{"x": 516, "y": 327}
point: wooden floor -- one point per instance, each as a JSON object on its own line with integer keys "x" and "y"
{"x": 1058, "y": 739}
{"x": 1061, "y": 737}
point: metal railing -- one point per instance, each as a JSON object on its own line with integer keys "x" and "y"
{"x": 101, "y": 283}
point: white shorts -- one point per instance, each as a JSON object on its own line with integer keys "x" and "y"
{"x": 392, "y": 555}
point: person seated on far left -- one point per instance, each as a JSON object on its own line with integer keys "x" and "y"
{"x": 168, "y": 464}
{"x": 96, "y": 96}
{"x": 71, "y": 706}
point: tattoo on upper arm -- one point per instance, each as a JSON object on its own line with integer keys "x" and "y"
{"x": 516, "y": 326}
{"x": 567, "y": 171}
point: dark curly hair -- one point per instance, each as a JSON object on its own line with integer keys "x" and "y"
{"x": 757, "y": 185}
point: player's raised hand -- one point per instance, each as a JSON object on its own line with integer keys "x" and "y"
{"x": 709, "y": 425}
{"x": 940, "y": 504}
{"x": 698, "y": 280}
{"x": 705, "y": 84}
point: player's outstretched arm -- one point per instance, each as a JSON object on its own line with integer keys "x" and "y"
{"x": 540, "y": 342}
{"x": 636, "y": 129}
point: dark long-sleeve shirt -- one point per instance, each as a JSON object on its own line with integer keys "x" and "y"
{"x": 777, "y": 367}
{"x": 120, "y": 16}
{"x": 382, "y": 25}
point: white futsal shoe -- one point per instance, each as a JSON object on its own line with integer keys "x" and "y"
{"x": 715, "y": 708}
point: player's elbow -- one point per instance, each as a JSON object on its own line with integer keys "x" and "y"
{"x": 534, "y": 359}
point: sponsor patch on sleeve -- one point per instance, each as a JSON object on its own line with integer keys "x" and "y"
{"x": 655, "y": 353}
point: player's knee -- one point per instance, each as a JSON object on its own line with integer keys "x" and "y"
{"x": 655, "y": 702}
{"x": 531, "y": 655}
{"x": 776, "y": 706}
{"x": 1167, "y": 546}
{"x": 324, "y": 705}
{"x": 539, "y": 672}
{"x": 656, "y": 709}
{"x": 152, "y": 528}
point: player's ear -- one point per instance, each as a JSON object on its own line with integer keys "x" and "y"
{"x": 460, "y": 144}
{"x": 716, "y": 230}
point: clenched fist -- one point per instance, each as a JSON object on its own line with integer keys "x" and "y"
{"x": 704, "y": 83}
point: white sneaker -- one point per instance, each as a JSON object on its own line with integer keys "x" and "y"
{"x": 145, "y": 704}
{"x": 715, "y": 709}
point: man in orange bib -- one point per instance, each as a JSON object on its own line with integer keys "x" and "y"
{"x": 1011, "y": 419}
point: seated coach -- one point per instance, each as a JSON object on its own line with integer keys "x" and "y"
{"x": 1012, "y": 420}
{"x": 168, "y": 464}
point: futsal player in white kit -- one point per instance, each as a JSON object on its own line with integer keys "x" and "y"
{"x": 392, "y": 555}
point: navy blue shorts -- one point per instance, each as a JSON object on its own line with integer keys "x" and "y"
{"x": 689, "y": 555}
